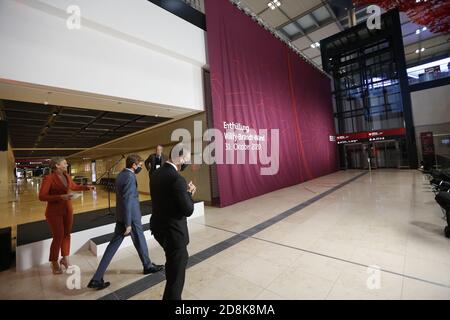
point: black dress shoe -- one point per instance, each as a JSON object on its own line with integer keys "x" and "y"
{"x": 153, "y": 269}
{"x": 98, "y": 285}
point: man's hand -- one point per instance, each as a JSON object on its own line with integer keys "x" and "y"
{"x": 192, "y": 188}
{"x": 127, "y": 231}
{"x": 67, "y": 196}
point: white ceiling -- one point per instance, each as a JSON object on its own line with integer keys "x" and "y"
{"x": 19, "y": 91}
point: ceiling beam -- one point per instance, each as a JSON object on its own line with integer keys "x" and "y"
{"x": 296, "y": 24}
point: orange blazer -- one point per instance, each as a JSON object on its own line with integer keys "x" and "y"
{"x": 51, "y": 190}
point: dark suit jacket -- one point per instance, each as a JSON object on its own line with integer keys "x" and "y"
{"x": 150, "y": 163}
{"x": 127, "y": 198}
{"x": 171, "y": 205}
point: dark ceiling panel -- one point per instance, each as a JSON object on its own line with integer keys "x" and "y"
{"x": 72, "y": 118}
{"x": 119, "y": 115}
{"x": 113, "y": 122}
{"x": 27, "y": 106}
{"x": 124, "y": 129}
{"x": 149, "y": 119}
{"x": 32, "y": 125}
{"x": 43, "y": 154}
{"x": 81, "y": 112}
{"x": 60, "y": 125}
{"x": 28, "y": 130}
{"x": 13, "y": 114}
{"x": 102, "y": 125}
{"x": 28, "y": 123}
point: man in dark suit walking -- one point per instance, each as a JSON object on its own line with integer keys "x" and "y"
{"x": 155, "y": 160}
{"x": 172, "y": 204}
{"x": 128, "y": 222}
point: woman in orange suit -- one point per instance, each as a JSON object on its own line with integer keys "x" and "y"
{"x": 55, "y": 190}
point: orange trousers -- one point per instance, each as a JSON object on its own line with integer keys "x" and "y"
{"x": 61, "y": 227}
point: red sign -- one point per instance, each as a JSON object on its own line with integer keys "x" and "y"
{"x": 427, "y": 143}
{"x": 370, "y": 136}
{"x": 352, "y": 136}
{"x": 434, "y": 69}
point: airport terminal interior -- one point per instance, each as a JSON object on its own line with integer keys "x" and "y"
{"x": 319, "y": 134}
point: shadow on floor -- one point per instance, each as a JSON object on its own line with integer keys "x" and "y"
{"x": 432, "y": 228}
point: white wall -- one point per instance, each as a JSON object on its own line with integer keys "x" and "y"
{"x": 431, "y": 106}
{"x": 129, "y": 49}
{"x": 431, "y": 112}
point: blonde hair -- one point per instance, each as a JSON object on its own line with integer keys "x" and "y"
{"x": 54, "y": 161}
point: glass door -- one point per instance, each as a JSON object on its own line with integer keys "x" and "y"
{"x": 387, "y": 154}
{"x": 354, "y": 156}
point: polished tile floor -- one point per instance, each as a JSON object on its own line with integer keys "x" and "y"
{"x": 378, "y": 237}
{"x": 19, "y": 203}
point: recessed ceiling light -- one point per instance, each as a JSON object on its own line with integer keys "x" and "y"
{"x": 274, "y": 4}
{"x": 418, "y": 31}
{"x": 420, "y": 50}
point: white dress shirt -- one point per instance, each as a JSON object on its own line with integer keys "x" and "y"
{"x": 173, "y": 165}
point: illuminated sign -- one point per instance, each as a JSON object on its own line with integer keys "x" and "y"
{"x": 370, "y": 136}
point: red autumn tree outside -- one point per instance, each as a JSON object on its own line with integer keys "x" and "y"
{"x": 434, "y": 14}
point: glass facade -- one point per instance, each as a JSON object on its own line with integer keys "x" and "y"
{"x": 367, "y": 93}
{"x": 370, "y": 94}
{"x": 430, "y": 71}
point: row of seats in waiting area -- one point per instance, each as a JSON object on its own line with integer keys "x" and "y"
{"x": 108, "y": 183}
{"x": 440, "y": 183}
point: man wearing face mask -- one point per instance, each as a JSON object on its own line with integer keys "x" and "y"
{"x": 128, "y": 222}
{"x": 155, "y": 160}
{"x": 172, "y": 203}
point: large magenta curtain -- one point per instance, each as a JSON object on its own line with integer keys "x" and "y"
{"x": 257, "y": 80}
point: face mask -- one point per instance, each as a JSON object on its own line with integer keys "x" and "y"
{"x": 184, "y": 166}
{"x": 138, "y": 169}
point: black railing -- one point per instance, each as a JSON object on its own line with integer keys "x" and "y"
{"x": 185, "y": 9}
